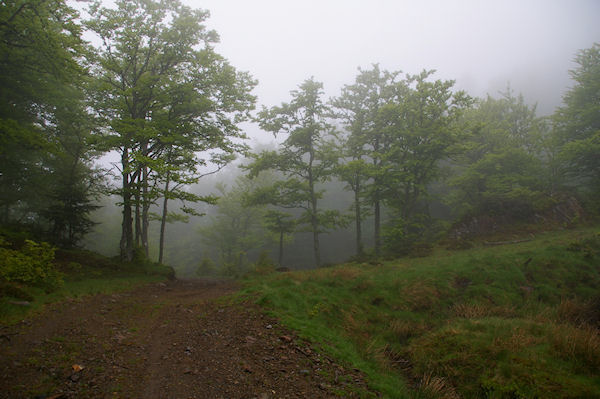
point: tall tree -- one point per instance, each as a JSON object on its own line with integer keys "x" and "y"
{"x": 577, "y": 122}
{"x": 282, "y": 225}
{"x": 306, "y": 158}
{"x": 358, "y": 107}
{"x": 501, "y": 169}
{"x": 45, "y": 175}
{"x": 419, "y": 125}
{"x": 158, "y": 77}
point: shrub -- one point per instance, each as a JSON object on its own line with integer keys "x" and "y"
{"x": 32, "y": 264}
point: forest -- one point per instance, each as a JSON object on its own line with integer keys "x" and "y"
{"x": 403, "y": 237}
{"x": 392, "y": 165}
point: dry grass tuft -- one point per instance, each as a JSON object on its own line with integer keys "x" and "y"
{"x": 421, "y": 296}
{"x": 519, "y": 339}
{"x": 479, "y": 310}
{"x": 437, "y": 387}
{"x": 386, "y": 357}
{"x": 404, "y": 329}
{"x": 470, "y": 310}
{"x": 581, "y": 344}
{"x": 347, "y": 273}
{"x": 578, "y": 313}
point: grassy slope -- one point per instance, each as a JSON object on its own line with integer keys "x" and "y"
{"x": 507, "y": 321}
{"x": 85, "y": 273}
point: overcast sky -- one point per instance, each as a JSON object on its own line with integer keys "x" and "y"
{"x": 481, "y": 44}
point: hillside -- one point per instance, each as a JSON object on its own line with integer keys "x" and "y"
{"x": 515, "y": 320}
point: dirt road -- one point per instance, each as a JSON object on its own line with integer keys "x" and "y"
{"x": 168, "y": 340}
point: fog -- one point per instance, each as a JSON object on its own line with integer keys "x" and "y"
{"x": 483, "y": 45}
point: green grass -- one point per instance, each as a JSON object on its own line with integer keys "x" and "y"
{"x": 85, "y": 273}
{"x": 514, "y": 321}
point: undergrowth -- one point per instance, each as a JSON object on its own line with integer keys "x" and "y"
{"x": 510, "y": 321}
{"x": 35, "y": 274}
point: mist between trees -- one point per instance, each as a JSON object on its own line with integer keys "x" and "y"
{"x": 393, "y": 164}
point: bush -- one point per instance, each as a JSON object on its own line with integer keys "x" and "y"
{"x": 32, "y": 264}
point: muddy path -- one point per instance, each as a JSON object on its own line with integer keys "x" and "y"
{"x": 168, "y": 340}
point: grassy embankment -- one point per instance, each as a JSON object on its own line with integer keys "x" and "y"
{"x": 514, "y": 321}
{"x": 82, "y": 273}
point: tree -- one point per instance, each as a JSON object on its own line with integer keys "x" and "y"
{"x": 500, "y": 162}
{"x": 577, "y": 122}
{"x": 419, "y": 126}
{"x": 282, "y": 225}
{"x": 358, "y": 107}
{"x": 237, "y": 227}
{"x": 75, "y": 183}
{"x": 306, "y": 159}
{"x": 177, "y": 172}
{"x": 46, "y": 179}
{"x": 161, "y": 89}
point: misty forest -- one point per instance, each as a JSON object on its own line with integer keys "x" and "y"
{"x": 407, "y": 238}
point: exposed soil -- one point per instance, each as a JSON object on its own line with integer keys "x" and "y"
{"x": 168, "y": 340}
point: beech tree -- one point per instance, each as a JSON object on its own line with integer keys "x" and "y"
{"x": 577, "y": 122}
{"x": 306, "y": 159}
{"x": 500, "y": 165}
{"x": 46, "y": 181}
{"x": 158, "y": 77}
{"x": 358, "y": 106}
{"x": 282, "y": 225}
{"x": 419, "y": 126}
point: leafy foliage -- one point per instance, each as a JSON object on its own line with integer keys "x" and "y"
{"x": 577, "y": 123}
{"x": 32, "y": 264}
{"x": 501, "y": 172}
{"x": 46, "y": 180}
{"x": 164, "y": 95}
{"x": 306, "y": 159}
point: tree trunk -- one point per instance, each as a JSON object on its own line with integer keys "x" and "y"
{"x": 376, "y": 203}
{"x": 163, "y": 220}
{"x": 357, "y": 215}
{"x": 138, "y": 229}
{"x": 280, "y": 260}
{"x": 145, "y": 210}
{"x": 377, "y": 234}
{"x": 313, "y": 218}
{"x": 126, "y": 243}
{"x": 315, "y": 227}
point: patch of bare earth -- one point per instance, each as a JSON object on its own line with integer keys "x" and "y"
{"x": 174, "y": 340}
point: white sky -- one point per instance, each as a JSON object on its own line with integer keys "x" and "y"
{"x": 482, "y": 44}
